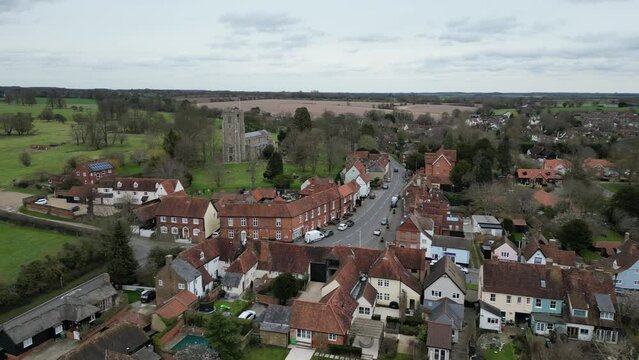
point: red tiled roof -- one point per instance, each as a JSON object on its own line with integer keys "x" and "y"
{"x": 607, "y": 248}
{"x": 388, "y": 266}
{"x": 183, "y": 206}
{"x": 449, "y": 155}
{"x": 554, "y": 163}
{"x": 581, "y": 288}
{"x": 546, "y": 198}
{"x": 332, "y": 315}
{"x": 626, "y": 256}
{"x": 243, "y": 263}
{"x": 545, "y": 174}
{"x": 439, "y": 335}
{"x": 147, "y": 211}
{"x": 177, "y": 305}
{"x": 523, "y": 279}
{"x": 597, "y": 163}
{"x": 264, "y": 193}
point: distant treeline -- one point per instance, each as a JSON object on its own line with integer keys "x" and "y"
{"x": 165, "y": 100}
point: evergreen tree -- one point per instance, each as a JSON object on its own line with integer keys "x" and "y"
{"x": 503, "y": 155}
{"x": 274, "y": 167}
{"x": 484, "y": 171}
{"x": 575, "y": 235}
{"x": 170, "y": 141}
{"x": 302, "y": 118}
{"x": 284, "y": 287}
{"x": 223, "y": 333}
{"x": 121, "y": 264}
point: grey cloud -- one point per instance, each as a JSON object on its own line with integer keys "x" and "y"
{"x": 259, "y": 22}
{"x": 467, "y": 30}
{"x": 372, "y": 38}
{"x": 18, "y": 5}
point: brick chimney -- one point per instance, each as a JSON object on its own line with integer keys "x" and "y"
{"x": 265, "y": 252}
{"x": 168, "y": 259}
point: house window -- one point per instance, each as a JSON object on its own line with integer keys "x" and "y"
{"x": 162, "y": 218}
{"x": 537, "y": 260}
{"x": 518, "y": 299}
{"x": 386, "y": 296}
{"x": 493, "y": 321}
{"x": 439, "y": 354}
{"x": 58, "y": 329}
{"x": 617, "y": 282}
{"x": 278, "y": 222}
{"x": 164, "y": 229}
{"x": 92, "y": 318}
{"x": 243, "y": 222}
{"x": 312, "y": 213}
{"x": 181, "y": 286}
{"x": 278, "y": 235}
{"x": 303, "y": 334}
{"x": 436, "y": 293}
{"x": 528, "y": 301}
{"x": 185, "y": 221}
{"x": 174, "y": 230}
{"x": 508, "y": 299}
{"x": 196, "y": 232}
{"x": 553, "y": 305}
{"x": 255, "y": 222}
{"x": 384, "y": 283}
{"x": 607, "y": 316}
{"x": 363, "y": 310}
{"x": 306, "y": 216}
{"x": 455, "y": 295}
{"x": 551, "y": 327}
{"x": 173, "y": 219}
{"x": 332, "y": 337}
{"x": 231, "y": 234}
{"x": 196, "y": 221}
{"x": 537, "y": 303}
{"x": 504, "y": 254}
{"x": 27, "y": 343}
{"x": 636, "y": 282}
{"x": 319, "y": 210}
{"x": 230, "y": 221}
{"x": 160, "y": 282}
{"x": 583, "y": 331}
{"x": 579, "y": 313}
{"x": 255, "y": 234}
{"x": 540, "y": 326}
{"x": 77, "y": 173}
{"x": 493, "y": 297}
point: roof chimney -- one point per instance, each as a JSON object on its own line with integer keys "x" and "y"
{"x": 265, "y": 251}
{"x": 168, "y": 259}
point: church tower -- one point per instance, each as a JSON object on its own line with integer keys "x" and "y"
{"x": 234, "y": 148}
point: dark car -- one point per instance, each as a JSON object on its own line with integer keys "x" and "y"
{"x": 350, "y": 223}
{"x": 328, "y": 233}
{"x": 147, "y": 296}
{"x": 371, "y": 195}
{"x": 385, "y": 186}
{"x": 394, "y": 305}
{"x": 75, "y": 208}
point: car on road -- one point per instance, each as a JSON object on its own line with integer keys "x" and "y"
{"x": 147, "y": 296}
{"x": 328, "y": 233}
{"x": 371, "y": 195}
{"x": 377, "y": 232}
{"x": 248, "y": 315}
{"x": 350, "y": 223}
{"x": 385, "y": 186}
{"x": 313, "y": 236}
{"x": 41, "y": 201}
{"x": 216, "y": 233}
{"x": 384, "y": 221}
{"x": 342, "y": 227}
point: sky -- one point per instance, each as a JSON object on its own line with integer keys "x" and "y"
{"x": 340, "y": 46}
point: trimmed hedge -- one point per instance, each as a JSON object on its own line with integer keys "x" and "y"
{"x": 345, "y": 350}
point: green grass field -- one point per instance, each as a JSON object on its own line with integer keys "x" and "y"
{"x": 22, "y": 244}
{"x": 610, "y": 235}
{"x": 589, "y": 255}
{"x": 506, "y": 353}
{"x": 583, "y": 108}
{"x": 236, "y": 306}
{"x": 613, "y": 187}
{"x": 266, "y": 353}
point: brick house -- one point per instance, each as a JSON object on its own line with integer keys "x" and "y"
{"x": 438, "y": 165}
{"x": 377, "y": 165}
{"x": 416, "y": 232}
{"x": 538, "y": 176}
{"x": 433, "y": 204}
{"x": 92, "y": 172}
{"x": 279, "y": 219}
{"x": 185, "y": 217}
{"x": 348, "y": 196}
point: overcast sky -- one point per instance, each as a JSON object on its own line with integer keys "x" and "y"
{"x": 354, "y": 46}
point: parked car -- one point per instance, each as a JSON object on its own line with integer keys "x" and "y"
{"x": 342, "y": 227}
{"x": 248, "y": 315}
{"x": 371, "y": 195}
{"x": 394, "y": 305}
{"x": 216, "y": 233}
{"x": 313, "y": 236}
{"x": 377, "y": 232}
{"x": 75, "y": 208}
{"x": 462, "y": 268}
{"x": 385, "y": 186}
{"x": 350, "y": 223}
{"x": 384, "y": 221}
{"x": 41, "y": 202}
{"x": 147, "y": 296}
{"x": 328, "y": 233}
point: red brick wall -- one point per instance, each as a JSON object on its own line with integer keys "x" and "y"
{"x": 408, "y": 238}
{"x": 46, "y": 209}
{"x": 171, "y": 334}
{"x": 266, "y": 299}
{"x": 180, "y": 225}
{"x": 320, "y": 340}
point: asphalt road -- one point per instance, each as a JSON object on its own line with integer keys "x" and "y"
{"x": 367, "y": 218}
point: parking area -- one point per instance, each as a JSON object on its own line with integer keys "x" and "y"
{"x": 11, "y": 201}
{"x": 63, "y": 204}
{"x": 313, "y": 291}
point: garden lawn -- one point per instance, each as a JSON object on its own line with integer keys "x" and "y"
{"x": 610, "y": 235}
{"x": 266, "y": 353}
{"x": 22, "y": 244}
{"x": 589, "y": 255}
{"x": 613, "y": 187}
{"x": 236, "y": 306}
{"x": 507, "y": 353}
{"x": 133, "y": 296}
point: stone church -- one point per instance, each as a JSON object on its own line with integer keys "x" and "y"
{"x": 238, "y": 145}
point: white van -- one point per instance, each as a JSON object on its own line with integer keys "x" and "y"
{"x": 313, "y": 236}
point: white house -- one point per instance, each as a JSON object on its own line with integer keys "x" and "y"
{"x": 357, "y": 172}
{"x": 536, "y": 253}
{"x": 240, "y": 275}
{"x": 489, "y": 317}
{"x": 487, "y": 225}
{"x": 457, "y": 248}
{"x": 504, "y": 249}
{"x": 445, "y": 280}
{"x": 136, "y": 190}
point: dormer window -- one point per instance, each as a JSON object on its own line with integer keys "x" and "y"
{"x": 607, "y": 315}
{"x": 579, "y": 313}
{"x": 543, "y": 284}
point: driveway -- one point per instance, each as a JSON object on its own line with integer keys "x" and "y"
{"x": 299, "y": 353}
{"x": 460, "y": 349}
{"x": 367, "y": 218}
{"x": 11, "y": 200}
{"x": 141, "y": 247}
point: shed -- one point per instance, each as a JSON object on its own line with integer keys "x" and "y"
{"x": 274, "y": 329}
